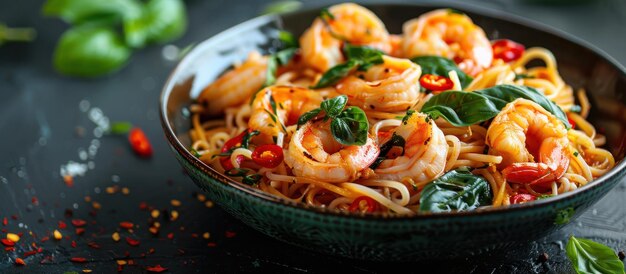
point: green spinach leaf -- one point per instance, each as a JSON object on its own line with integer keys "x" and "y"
{"x": 588, "y": 256}
{"x": 460, "y": 108}
{"x": 501, "y": 95}
{"x": 159, "y": 21}
{"x": 437, "y": 65}
{"x": 456, "y": 190}
{"x": 90, "y": 51}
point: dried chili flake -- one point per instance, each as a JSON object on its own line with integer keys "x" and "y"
{"x": 30, "y": 253}
{"x": 170, "y": 236}
{"x": 175, "y": 202}
{"x": 157, "y": 269}
{"x": 201, "y": 197}
{"x": 93, "y": 245}
{"x": 34, "y": 200}
{"x": 120, "y": 268}
{"x": 57, "y": 235}
{"x": 68, "y": 213}
{"x": 132, "y": 242}
{"x": 96, "y": 205}
{"x": 9, "y": 249}
{"x": 78, "y": 260}
{"x": 181, "y": 251}
{"x": 151, "y": 250}
{"x": 44, "y": 239}
{"x": 39, "y": 250}
{"x": 69, "y": 180}
{"x": 206, "y": 235}
{"x": 19, "y": 261}
{"x": 80, "y": 231}
{"x": 230, "y": 234}
{"x": 154, "y": 230}
{"x": 125, "y": 191}
{"x": 14, "y": 217}
{"x": 5, "y": 221}
{"x": 194, "y": 235}
{"x": 143, "y": 206}
{"x": 62, "y": 225}
{"x": 121, "y": 262}
{"x": 155, "y": 213}
{"x": 211, "y": 244}
{"x": 126, "y": 225}
{"x": 173, "y": 215}
{"x": 78, "y": 222}
{"x": 7, "y": 242}
{"x": 115, "y": 237}
{"x": 74, "y": 244}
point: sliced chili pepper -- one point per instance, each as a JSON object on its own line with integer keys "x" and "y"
{"x": 521, "y": 198}
{"x": 507, "y": 50}
{"x": 78, "y": 222}
{"x": 228, "y": 146}
{"x": 62, "y": 225}
{"x": 157, "y": 268}
{"x": 436, "y": 82}
{"x": 372, "y": 205}
{"x": 269, "y": 156}
{"x": 140, "y": 143}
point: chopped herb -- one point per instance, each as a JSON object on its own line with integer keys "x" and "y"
{"x": 523, "y": 76}
{"x": 575, "y": 153}
{"x": 252, "y": 179}
{"x": 282, "y": 7}
{"x": 120, "y": 127}
{"x": 395, "y": 141}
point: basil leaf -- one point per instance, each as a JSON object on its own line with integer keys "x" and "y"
{"x": 279, "y": 58}
{"x": 437, "y": 65}
{"x": 334, "y": 106}
{"x": 588, "y": 256}
{"x": 460, "y": 108}
{"x": 160, "y": 21}
{"x": 308, "y": 116}
{"x": 336, "y": 73}
{"x": 395, "y": 141}
{"x": 501, "y": 95}
{"x": 90, "y": 51}
{"x": 287, "y": 39}
{"x": 326, "y": 15}
{"x": 81, "y": 11}
{"x": 456, "y": 190}
{"x": 365, "y": 55}
{"x": 350, "y": 127}
{"x": 285, "y": 55}
{"x": 252, "y": 179}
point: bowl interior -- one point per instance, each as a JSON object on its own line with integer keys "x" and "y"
{"x": 580, "y": 64}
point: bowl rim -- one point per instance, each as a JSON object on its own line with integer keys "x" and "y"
{"x": 201, "y": 47}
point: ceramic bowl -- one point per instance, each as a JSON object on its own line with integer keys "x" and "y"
{"x": 398, "y": 238}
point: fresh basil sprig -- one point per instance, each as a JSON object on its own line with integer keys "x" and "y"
{"x": 281, "y": 57}
{"x": 105, "y": 32}
{"x": 438, "y": 65}
{"x": 456, "y": 190}
{"x": 349, "y": 126}
{"x": 358, "y": 57}
{"x": 588, "y": 256}
{"x": 462, "y": 108}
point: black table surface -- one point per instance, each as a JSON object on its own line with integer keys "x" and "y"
{"x": 46, "y": 125}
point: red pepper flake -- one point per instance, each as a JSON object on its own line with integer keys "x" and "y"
{"x": 211, "y": 244}
{"x": 62, "y": 225}
{"x": 170, "y": 236}
{"x": 194, "y": 235}
{"x": 126, "y": 225}
{"x": 230, "y": 234}
{"x": 78, "y": 260}
{"x": 78, "y": 222}
{"x": 10, "y": 248}
{"x": 93, "y": 245}
{"x": 151, "y": 250}
{"x": 74, "y": 244}
{"x": 30, "y": 253}
{"x": 7, "y": 242}
{"x": 181, "y": 251}
{"x": 80, "y": 231}
{"x": 69, "y": 180}
{"x": 143, "y": 206}
{"x": 14, "y": 217}
{"x": 132, "y": 242}
{"x": 34, "y": 200}
{"x": 5, "y": 221}
{"x": 39, "y": 250}
{"x": 157, "y": 269}
{"x": 44, "y": 239}
{"x": 120, "y": 268}
{"x": 19, "y": 261}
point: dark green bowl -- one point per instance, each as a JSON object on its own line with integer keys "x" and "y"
{"x": 394, "y": 238}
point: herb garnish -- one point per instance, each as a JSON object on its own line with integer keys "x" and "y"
{"x": 349, "y": 126}
{"x": 359, "y": 57}
{"x": 457, "y": 190}
{"x": 588, "y": 256}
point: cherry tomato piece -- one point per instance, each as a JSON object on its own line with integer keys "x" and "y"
{"x": 522, "y": 198}
{"x": 435, "y": 82}
{"x": 269, "y": 156}
{"x": 372, "y": 206}
{"x": 139, "y": 142}
{"x": 507, "y": 50}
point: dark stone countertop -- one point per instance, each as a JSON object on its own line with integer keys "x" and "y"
{"x": 46, "y": 123}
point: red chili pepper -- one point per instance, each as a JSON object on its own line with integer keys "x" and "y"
{"x": 140, "y": 143}
{"x": 132, "y": 242}
{"x": 126, "y": 225}
{"x": 522, "y": 198}
{"x": 62, "y": 225}
{"x": 507, "y": 50}
{"x": 5, "y": 221}
{"x": 435, "y": 82}
{"x": 269, "y": 156}
{"x": 7, "y": 242}
{"x": 156, "y": 268}
{"x": 80, "y": 231}
{"x": 571, "y": 122}
{"x": 232, "y": 143}
{"x": 78, "y": 222}
{"x": 78, "y": 260}
{"x": 372, "y": 205}
{"x": 30, "y": 253}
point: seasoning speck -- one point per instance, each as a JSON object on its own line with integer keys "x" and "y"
{"x": 544, "y": 257}
{"x": 621, "y": 255}
{"x": 115, "y": 237}
{"x": 175, "y": 202}
{"x": 57, "y": 235}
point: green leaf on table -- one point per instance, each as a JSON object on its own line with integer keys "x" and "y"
{"x": 120, "y": 127}
{"x": 160, "y": 21}
{"x": 460, "y": 108}
{"x": 281, "y": 7}
{"x": 501, "y": 95}
{"x": 588, "y": 256}
{"x": 90, "y": 51}
{"x": 457, "y": 190}
{"x": 350, "y": 127}
{"x": 81, "y": 11}
{"x": 437, "y": 65}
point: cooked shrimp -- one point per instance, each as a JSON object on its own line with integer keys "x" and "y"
{"x": 451, "y": 35}
{"x": 532, "y": 142}
{"x": 425, "y": 151}
{"x": 235, "y": 86}
{"x": 391, "y": 86}
{"x": 314, "y": 153}
{"x": 290, "y": 102}
{"x": 321, "y": 43}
